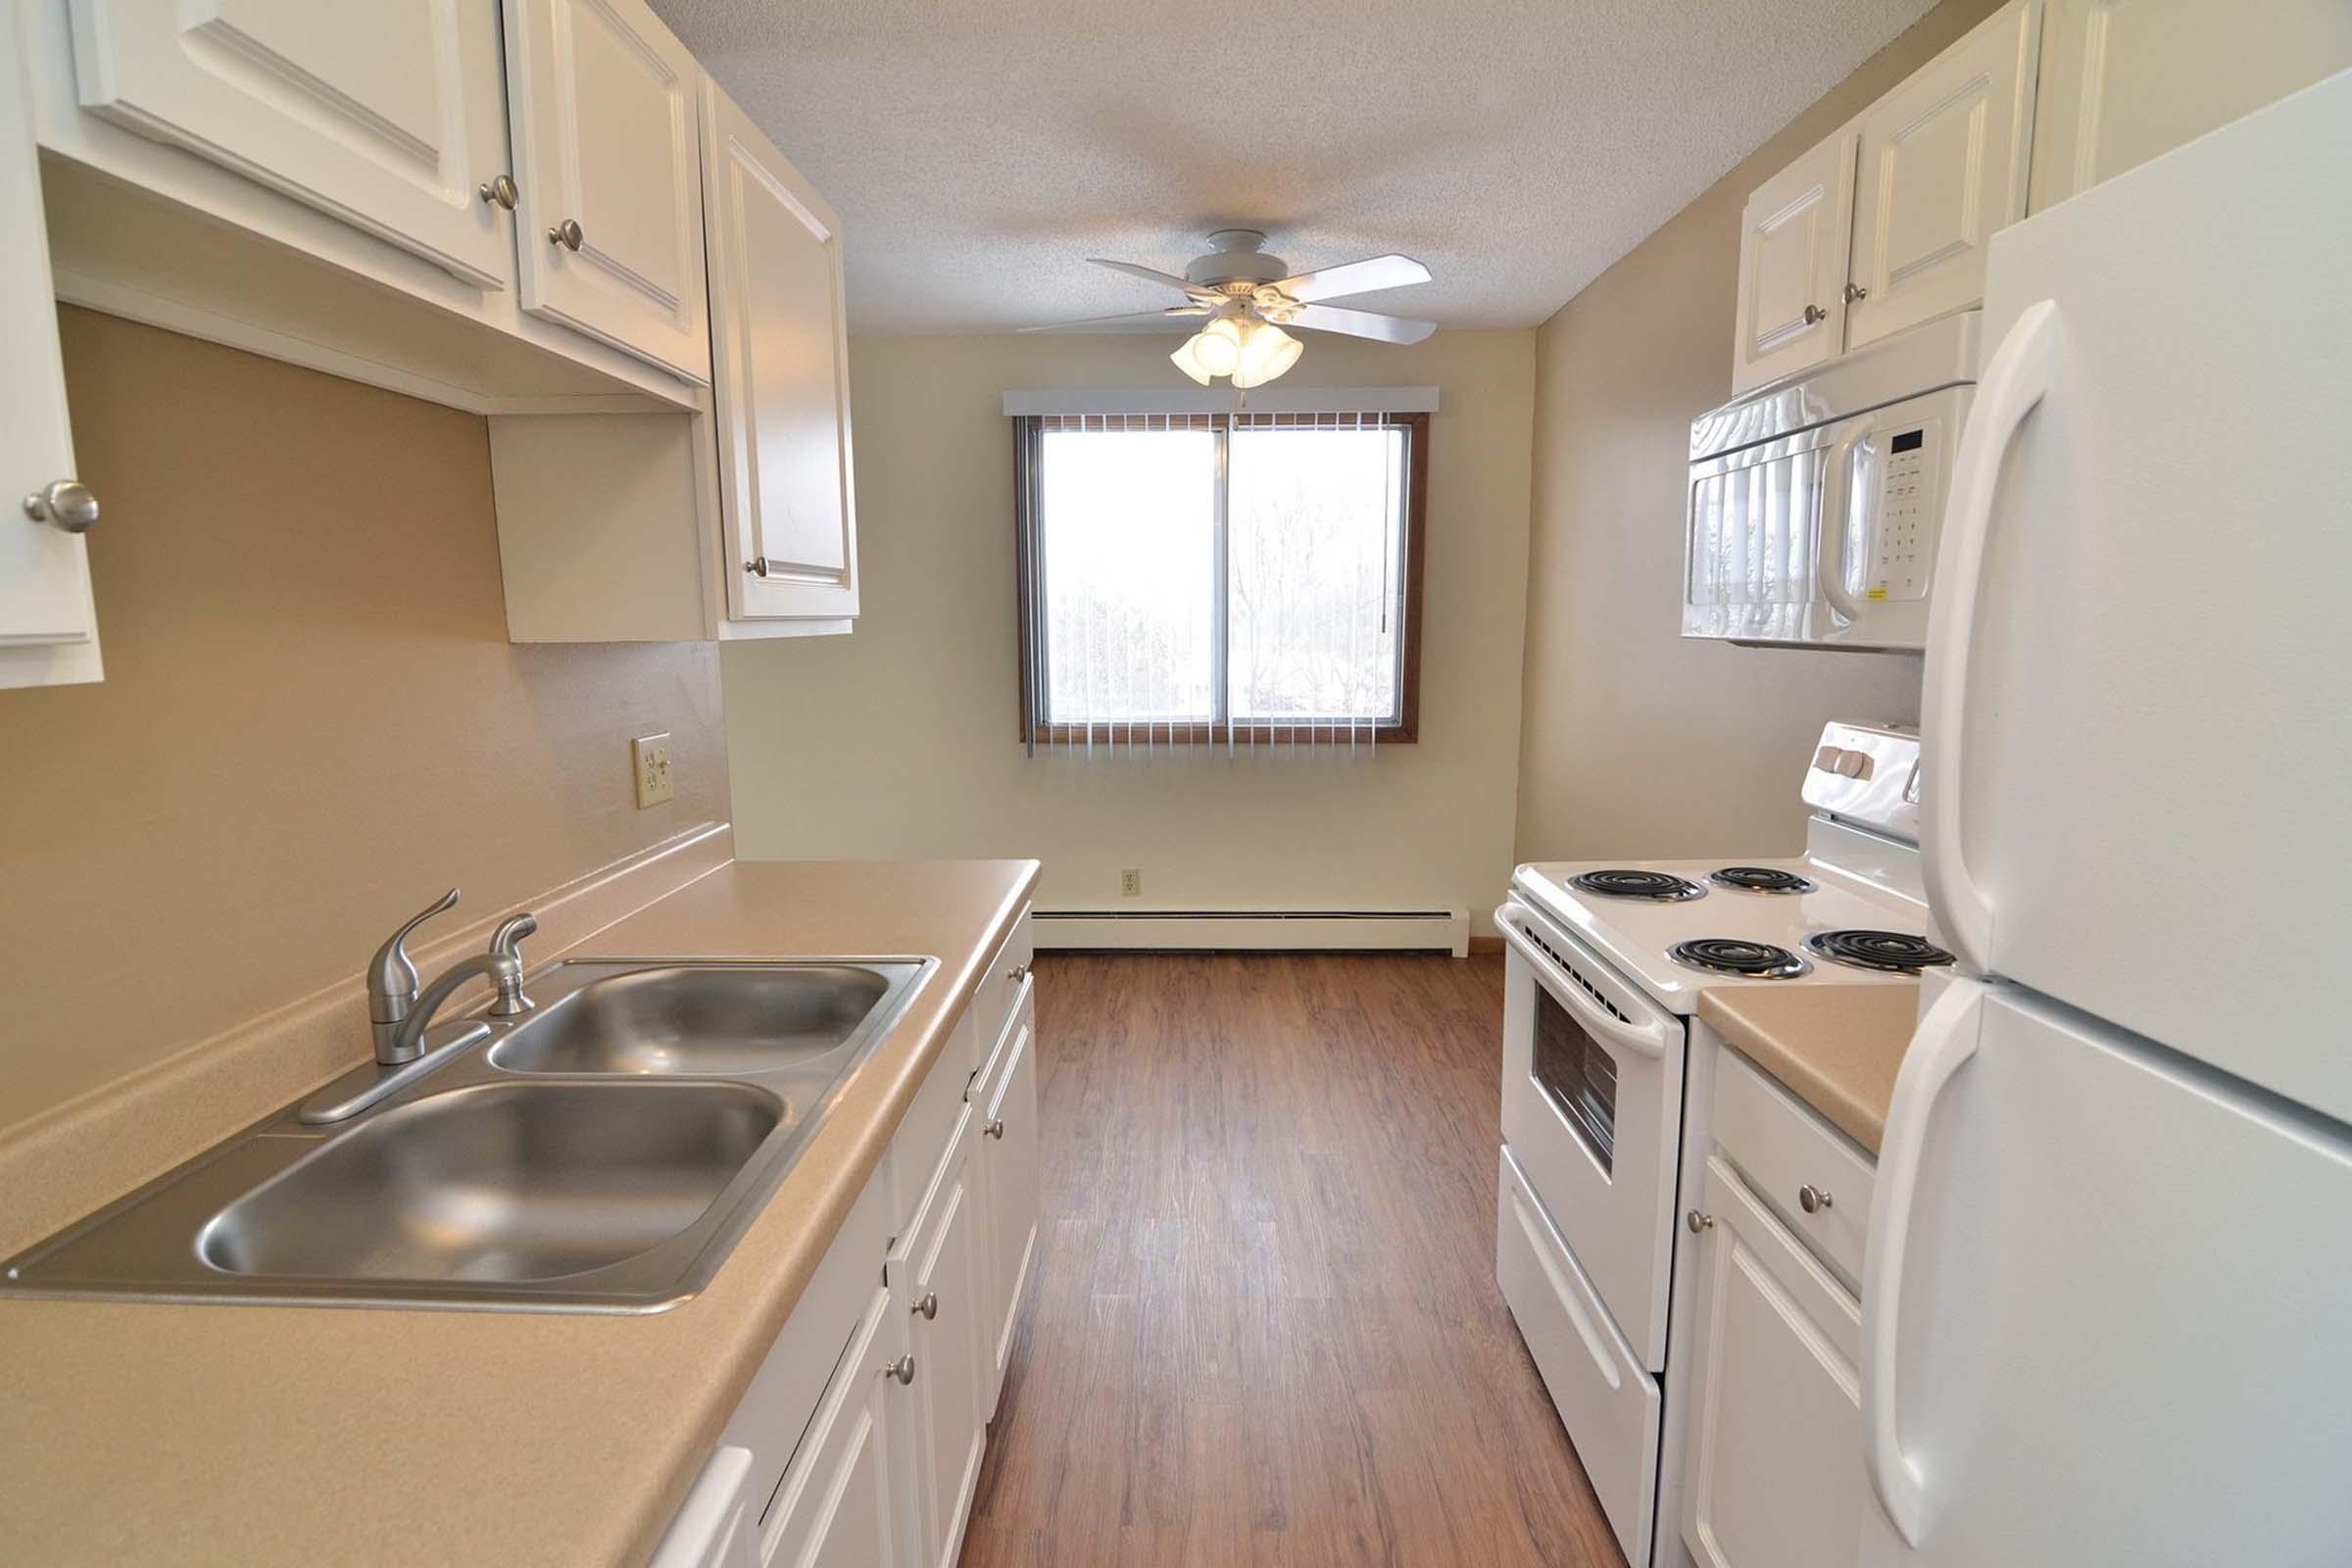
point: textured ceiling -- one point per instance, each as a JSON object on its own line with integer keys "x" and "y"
{"x": 979, "y": 153}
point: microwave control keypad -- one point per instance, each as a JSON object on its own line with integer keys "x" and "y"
{"x": 1906, "y": 532}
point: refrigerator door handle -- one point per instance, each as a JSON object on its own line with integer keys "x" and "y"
{"x": 1946, "y": 1041}
{"x": 1836, "y": 505}
{"x": 2014, "y": 382}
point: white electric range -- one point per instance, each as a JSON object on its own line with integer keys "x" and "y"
{"x": 1606, "y": 962}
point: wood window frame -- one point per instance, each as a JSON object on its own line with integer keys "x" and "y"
{"x": 1404, "y": 731}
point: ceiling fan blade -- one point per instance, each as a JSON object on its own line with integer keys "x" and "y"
{"x": 1131, "y": 318}
{"x": 1361, "y": 323}
{"x": 1153, "y": 274}
{"x": 1355, "y": 277}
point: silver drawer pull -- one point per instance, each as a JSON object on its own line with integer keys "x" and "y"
{"x": 929, "y": 1308}
{"x": 902, "y": 1369}
{"x": 499, "y": 192}
{"x": 567, "y": 234}
{"x": 1017, "y": 973}
{"x": 1811, "y": 1198}
{"x": 995, "y": 1128}
{"x": 1698, "y": 1222}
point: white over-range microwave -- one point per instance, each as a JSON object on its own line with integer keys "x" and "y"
{"x": 1815, "y": 501}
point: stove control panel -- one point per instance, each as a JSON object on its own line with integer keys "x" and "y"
{"x": 1866, "y": 774}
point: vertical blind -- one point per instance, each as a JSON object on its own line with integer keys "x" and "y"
{"x": 1197, "y": 580}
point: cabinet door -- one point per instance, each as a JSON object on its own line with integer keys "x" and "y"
{"x": 609, "y": 229}
{"x": 780, "y": 363}
{"x": 388, "y": 113}
{"x": 836, "y": 1507}
{"x": 2123, "y": 80}
{"x": 947, "y": 1364}
{"x": 1792, "y": 261}
{"x": 1773, "y": 1477}
{"x": 1009, "y": 1155}
{"x": 1944, "y": 167}
{"x": 48, "y": 629}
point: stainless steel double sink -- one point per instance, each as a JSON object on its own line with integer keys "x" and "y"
{"x": 601, "y": 1154}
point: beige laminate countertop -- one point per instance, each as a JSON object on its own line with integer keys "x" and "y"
{"x": 216, "y": 1434}
{"x": 1836, "y": 1048}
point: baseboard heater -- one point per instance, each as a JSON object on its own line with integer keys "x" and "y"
{"x": 1256, "y": 930}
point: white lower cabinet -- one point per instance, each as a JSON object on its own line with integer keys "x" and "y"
{"x": 937, "y": 1284}
{"x": 1772, "y": 1464}
{"x": 838, "y": 1507}
{"x": 859, "y": 1442}
{"x": 1009, "y": 1178}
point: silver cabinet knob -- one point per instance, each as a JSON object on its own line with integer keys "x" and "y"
{"x": 1814, "y": 314}
{"x": 929, "y": 1308}
{"x": 902, "y": 1369}
{"x": 1698, "y": 1222}
{"x": 499, "y": 192}
{"x": 995, "y": 1128}
{"x": 66, "y": 504}
{"x": 1811, "y": 1198}
{"x": 567, "y": 234}
{"x": 1017, "y": 973}
{"x": 1855, "y": 293}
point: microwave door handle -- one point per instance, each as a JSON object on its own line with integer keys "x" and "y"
{"x": 1828, "y": 554}
{"x": 1946, "y": 1041}
{"x": 2014, "y": 382}
{"x": 1647, "y": 1038}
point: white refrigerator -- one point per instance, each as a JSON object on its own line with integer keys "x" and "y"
{"x": 2107, "y": 1301}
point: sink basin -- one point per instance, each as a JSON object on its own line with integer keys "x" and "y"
{"x": 603, "y": 1153}
{"x": 700, "y": 1020}
{"x": 500, "y": 1182}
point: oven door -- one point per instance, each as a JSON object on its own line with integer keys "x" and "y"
{"x": 1593, "y": 1111}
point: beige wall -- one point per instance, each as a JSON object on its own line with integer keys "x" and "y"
{"x": 901, "y": 739}
{"x": 1634, "y": 742}
{"x": 311, "y": 723}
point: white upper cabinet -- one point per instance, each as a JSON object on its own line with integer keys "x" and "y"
{"x": 780, "y": 354}
{"x": 2123, "y": 80}
{"x": 48, "y": 627}
{"x": 601, "y": 98}
{"x": 1943, "y": 165}
{"x": 387, "y": 114}
{"x": 1793, "y": 251}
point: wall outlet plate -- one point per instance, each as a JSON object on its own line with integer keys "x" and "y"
{"x": 1131, "y": 882}
{"x": 649, "y": 759}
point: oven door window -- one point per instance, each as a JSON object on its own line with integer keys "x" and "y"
{"x": 1579, "y": 1076}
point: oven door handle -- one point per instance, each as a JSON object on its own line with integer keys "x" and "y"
{"x": 1647, "y": 1038}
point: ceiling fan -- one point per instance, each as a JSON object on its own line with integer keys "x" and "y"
{"x": 1249, "y": 297}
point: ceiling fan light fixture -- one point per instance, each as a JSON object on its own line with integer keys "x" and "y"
{"x": 1217, "y": 347}
{"x": 1266, "y": 353}
{"x": 1188, "y": 361}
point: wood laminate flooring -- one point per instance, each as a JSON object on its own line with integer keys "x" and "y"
{"x": 1264, "y": 1326}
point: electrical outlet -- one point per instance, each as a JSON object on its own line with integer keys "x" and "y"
{"x": 1131, "y": 882}
{"x": 649, "y": 759}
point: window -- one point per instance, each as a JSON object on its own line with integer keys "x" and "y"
{"x": 1244, "y": 579}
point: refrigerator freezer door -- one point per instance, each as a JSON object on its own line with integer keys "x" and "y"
{"x": 2153, "y": 781}
{"x": 2121, "y": 1324}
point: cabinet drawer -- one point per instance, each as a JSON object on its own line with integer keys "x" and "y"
{"x": 1000, "y": 989}
{"x": 1785, "y": 1149}
{"x": 776, "y": 1409}
{"x": 1608, "y": 1401}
